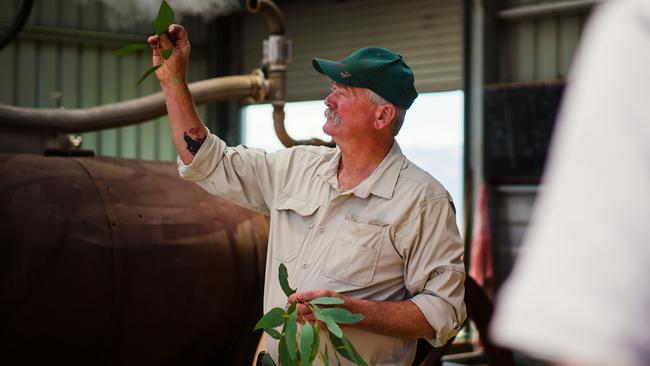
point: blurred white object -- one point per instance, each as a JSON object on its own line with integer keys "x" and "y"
{"x": 580, "y": 290}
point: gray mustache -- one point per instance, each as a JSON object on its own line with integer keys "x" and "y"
{"x": 334, "y": 115}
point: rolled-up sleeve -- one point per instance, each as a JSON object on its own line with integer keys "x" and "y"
{"x": 434, "y": 269}
{"x": 238, "y": 174}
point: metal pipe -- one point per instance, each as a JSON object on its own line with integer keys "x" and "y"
{"x": 132, "y": 111}
{"x": 69, "y": 35}
{"x": 285, "y": 139}
{"x": 272, "y": 13}
{"x": 277, "y": 55}
{"x": 545, "y": 10}
{"x": 18, "y": 23}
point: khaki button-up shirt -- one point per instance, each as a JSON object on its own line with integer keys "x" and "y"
{"x": 393, "y": 237}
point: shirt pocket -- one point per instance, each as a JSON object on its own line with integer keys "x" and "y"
{"x": 352, "y": 257}
{"x": 294, "y": 219}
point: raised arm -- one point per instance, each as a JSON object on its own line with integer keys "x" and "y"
{"x": 187, "y": 129}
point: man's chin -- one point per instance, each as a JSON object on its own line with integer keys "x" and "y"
{"x": 329, "y": 128}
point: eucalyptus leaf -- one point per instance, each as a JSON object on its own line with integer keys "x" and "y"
{"x": 291, "y": 309}
{"x": 306, "y": 341}
{"x": 352, "y": 351}
{"x": 339, "y": 347}
{"x": 336, "y": 354}
{"x": 164, "y": 19}
{"x": 273, "y": 333}
{"x": 331, "y": 325}
{"x": 130, "y": 48}
{"x": 147, "y": 73}
{"x": 283, "y": 275}
{"x": 325, "y": 356}
{"x": 342, "y": 316}
{"x": 315, "y": 345}
{"x": 166, "y": 53}
{"x": 283, "y": 354}
{"x": 271, "y": 319}
{"x": 267, "y": 360}
{"x": 290, "y": 330}
{"x": 327, "y": 300}
{"x": 303, "y": 347}
{"x": 346, "y": 349}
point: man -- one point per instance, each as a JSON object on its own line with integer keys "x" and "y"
{"x": 579, "y": 293}
{"x": 359, "y": 222}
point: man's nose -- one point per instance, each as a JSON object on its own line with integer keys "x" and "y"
{"x": 329, "y": 100}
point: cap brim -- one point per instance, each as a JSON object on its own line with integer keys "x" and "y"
{"x": 331, "y": 69}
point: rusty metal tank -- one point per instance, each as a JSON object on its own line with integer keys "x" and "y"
{"x": 108, "y": 261}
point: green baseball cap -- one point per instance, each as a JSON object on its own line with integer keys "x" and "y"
{"x": 378, "y": 69}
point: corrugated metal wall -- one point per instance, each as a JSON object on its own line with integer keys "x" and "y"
{"x": 63, "y": 58}
{"x": 530, "y": 49}
{"x": 427, "y": 33}
{"x": 540, "y": 49}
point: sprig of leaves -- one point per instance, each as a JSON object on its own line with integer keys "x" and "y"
{"x": 303, "y": 346}
{"x": 162, "y": 22}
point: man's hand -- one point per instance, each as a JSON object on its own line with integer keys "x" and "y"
{"x": 304, "y": 311}
{"x": 173, "y": 69}
{"x": 188, "y": 132}
{"x": 394, "y": 318}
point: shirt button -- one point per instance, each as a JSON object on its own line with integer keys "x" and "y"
{"x": 322, "y": 229}
{"x": 304, "y": 266}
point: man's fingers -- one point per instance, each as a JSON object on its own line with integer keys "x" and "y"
{"x": 153, "y": 42}
{"x": 302, "y": 319}
{"x": 178, "y": 37}
{"x": 177, "y": 34}
{"x": 303, "y": 309}
{"x": 165, "y": 42}
{"x": 306, "y": 296}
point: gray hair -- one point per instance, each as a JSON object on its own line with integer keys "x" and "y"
{"x": 400, "y": 112}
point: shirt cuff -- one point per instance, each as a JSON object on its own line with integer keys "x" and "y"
{"x": 205, "y": 161}
{"x": 440, "y": 315}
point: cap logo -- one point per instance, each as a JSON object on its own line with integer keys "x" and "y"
{"x": 345, "y": 75}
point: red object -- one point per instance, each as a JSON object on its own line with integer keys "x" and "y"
{"x": 481, "y": 264}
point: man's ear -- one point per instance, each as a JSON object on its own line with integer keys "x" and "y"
{"x": 385, "y": 116}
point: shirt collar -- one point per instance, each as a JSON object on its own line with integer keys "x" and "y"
{"x": 328, "y": 170}
{"x": 381, "y": 182}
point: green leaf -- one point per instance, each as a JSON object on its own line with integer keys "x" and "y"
{"x": 267, "y": 360}
{"x": 327, "y": 300}
{"x": 284, "y": 280}
{"x": 164, "y": 19}
{"x": 342, "y": 316}
{"x": 338, "y": 360}
{"x": 352, "y": 351}
{"x": 166, "y": 53}
{"x": 273, "y": 333}
{"x": 290, "y": 330}
{"x": 306, "y": 341}
{"x": 325, "y": 356}
{"x": 315, "y": 345}
{"x": 271, "y": 319}
{"x": 291, "y": 309}
{"x": 129, "y": 48}
{"x": 331, "y": 325}
{"x": 147, "y": 73}
{"x": 282, "y": 351}
{"x": 343, "y": 346}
